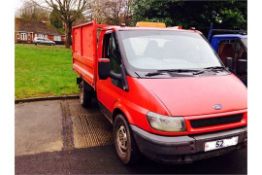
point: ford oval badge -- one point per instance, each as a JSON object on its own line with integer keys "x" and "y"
{"x": 217, "y": 106}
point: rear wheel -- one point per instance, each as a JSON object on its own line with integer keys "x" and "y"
{"x": 125, "y": 145}
{"x": 85, "y": 95}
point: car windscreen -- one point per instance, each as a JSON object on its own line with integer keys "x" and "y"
{"x": 163, "y": 49}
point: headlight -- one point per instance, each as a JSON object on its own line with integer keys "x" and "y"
{"x": 166, "y": 123}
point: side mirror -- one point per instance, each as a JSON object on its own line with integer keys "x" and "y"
{"x": 103, "y": 68}
{"x": 241, "y": 66}
{"x": 230, "y": 64}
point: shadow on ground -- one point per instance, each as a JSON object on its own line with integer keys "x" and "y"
{"x": 101, "y": 160}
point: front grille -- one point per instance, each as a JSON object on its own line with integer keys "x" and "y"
{"x": 216, "y": 121}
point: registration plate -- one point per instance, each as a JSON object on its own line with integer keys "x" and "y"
{"x": 218, "y": 144}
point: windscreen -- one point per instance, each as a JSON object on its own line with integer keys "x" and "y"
{"x": 159, "y": 49}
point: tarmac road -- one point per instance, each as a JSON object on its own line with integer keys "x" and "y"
{"x": 60, "y": 137}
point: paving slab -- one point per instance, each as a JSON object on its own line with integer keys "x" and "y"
{"x": 38, "y": 127}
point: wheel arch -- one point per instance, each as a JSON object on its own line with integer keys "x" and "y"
{"x": 119, "y": 109}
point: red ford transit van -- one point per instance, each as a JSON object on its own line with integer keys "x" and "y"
{"x": 165, "y": 91}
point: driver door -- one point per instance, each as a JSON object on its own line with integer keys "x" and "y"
{"x": 109, "y": 90}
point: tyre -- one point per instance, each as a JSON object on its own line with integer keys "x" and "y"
{"x": 124, "y": 142}
{"x": 85, "y": 95}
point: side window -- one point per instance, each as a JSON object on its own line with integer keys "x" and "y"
{"x": 225, "y": 50}
{"x": 111, "y": 51}
{"x": 240, "y": 50}
{"x": 241, "y": 59}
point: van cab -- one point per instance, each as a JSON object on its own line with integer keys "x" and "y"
{"x": 165, "y": 91}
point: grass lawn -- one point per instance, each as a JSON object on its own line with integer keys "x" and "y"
{"x": 43, "y": 71}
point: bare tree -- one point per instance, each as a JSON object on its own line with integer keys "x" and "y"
{"x": 128, "y": 11}
{"x": 111, "y": 11}
{"x": 69, "y": 11}
{"x": 97, "y": 10}
{"x": 30, "y": 11}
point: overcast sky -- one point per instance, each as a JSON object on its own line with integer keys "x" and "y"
{"x": 18, "y": 3}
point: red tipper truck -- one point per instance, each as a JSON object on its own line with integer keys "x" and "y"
{"x": 165, "y": 91}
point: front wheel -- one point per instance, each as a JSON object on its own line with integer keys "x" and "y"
{"x": 125, "y": 145}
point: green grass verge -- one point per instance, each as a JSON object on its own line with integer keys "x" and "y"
{"x": 43, "y": 71}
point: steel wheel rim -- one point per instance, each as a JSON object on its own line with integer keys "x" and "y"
{"x": 122, "y": 140}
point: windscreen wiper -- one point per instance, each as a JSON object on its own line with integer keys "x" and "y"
{"x": 176, "y": 71}
{"x": 215, "y": 68}
{"x": 151, "y": 74}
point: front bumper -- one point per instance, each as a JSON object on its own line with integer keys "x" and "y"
{"x": 184, "y": 149}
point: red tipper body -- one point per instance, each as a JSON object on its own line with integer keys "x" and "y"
{"x": 85, "y": 51}
{"x": 208, "y": 104}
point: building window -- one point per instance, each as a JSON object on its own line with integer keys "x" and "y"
{"x": 57, "y": 38}
{"x": 23, "y": 36}
{"x": 42, "y": 36}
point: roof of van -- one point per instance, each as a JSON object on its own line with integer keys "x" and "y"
{"x": 119, "y": 28}
{"x": 230, "y": 35}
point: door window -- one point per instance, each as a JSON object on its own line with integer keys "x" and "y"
{"x": 240, "y": 50}
{"x": 225, "y": 50}
{"x": 232, "y": 48}
{"x": 111, "y": 51}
